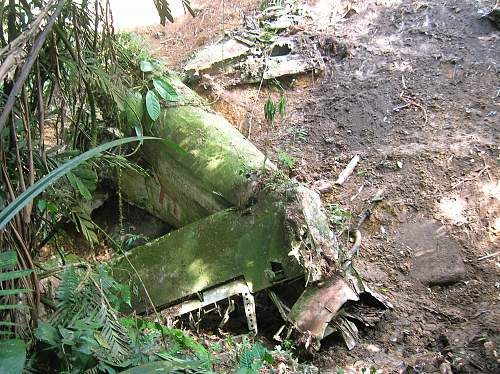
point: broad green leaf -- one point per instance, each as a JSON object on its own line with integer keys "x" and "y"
{"x": 153, "y": 105}
{"x": 8, "y": 259}
{"x": 52, "y": 208}
{"x": 134, "y": 108}
{"x": 77, "y": 184}
{"x": 71, "y": 179}
{"x": 282, "y": 106}
{"x": 14, "y": 274}
{"x": 165, "y": 90}
{"x": 269, "y": 110}
{"x": 68, "y": 336}
{"x": 128, "y": 323}
{"x": 47, "y": 333}
{"x": 84, "y": 191}
{"x": 268, "y": 357}
{"x": 41, "y": 205}
{"x": 146, "y": 66}
{"x": 87, "y": 175}
{"x": 12, "y": 356}
{"x": 27, "y": 196}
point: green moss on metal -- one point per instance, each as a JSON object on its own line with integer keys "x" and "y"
{"x": 216, "y": 154}
{"x": 209, "y": 252}
{"x": 203, "y": 165}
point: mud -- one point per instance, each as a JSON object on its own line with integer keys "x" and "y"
{"x": 416, "y": 97}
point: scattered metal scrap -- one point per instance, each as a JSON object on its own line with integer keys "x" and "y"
{"x": 269, "y": 45}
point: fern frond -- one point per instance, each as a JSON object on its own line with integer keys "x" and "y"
{"x": 83, "y": 303}
{"x": 115, "y": 335}
{"x": 66, "y": 296}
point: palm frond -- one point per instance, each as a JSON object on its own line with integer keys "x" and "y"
{"x": 10, "y": 279}
{"x": 26, "y": 197}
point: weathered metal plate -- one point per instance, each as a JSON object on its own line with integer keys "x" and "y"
{"x": 210, "y": 252}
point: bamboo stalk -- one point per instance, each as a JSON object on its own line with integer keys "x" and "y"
{"x": 30, "y": 60}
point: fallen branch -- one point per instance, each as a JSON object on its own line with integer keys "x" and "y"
{"x": 347, "y": 171}
{"x": 409, "y": 102}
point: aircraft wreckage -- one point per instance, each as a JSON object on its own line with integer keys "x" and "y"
{"x": 241, "y": 227}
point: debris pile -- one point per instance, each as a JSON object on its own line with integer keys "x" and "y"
{"x": 269, "y": 45}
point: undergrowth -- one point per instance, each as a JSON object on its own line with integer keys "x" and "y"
{"x": 87, "y": 333}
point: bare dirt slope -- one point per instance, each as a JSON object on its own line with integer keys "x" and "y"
{"x": 413, "y": 88}
{"x": 175, "y": 42}
{"x": 417, "y": 98}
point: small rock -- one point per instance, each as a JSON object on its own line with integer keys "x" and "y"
{"x": 322, "y": 186}
{"x": 372, "y": 348}
{"x": 490, "y": 350}
{"x": 445, "y": 368}
{"x": 437, "y": 257}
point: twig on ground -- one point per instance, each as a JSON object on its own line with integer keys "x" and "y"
{"x": 354, "y": 251}
{"x": 479, "y": 173}
{"x": 357, "y": 194}
{"x": 410, "y": 101}
{"x": 357, "y": 244}
{"x": 489, "y": 256}
{"x": 377, "y": 197}
{"x": 347, "y": 171}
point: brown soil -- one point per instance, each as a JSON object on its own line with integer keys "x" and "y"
{"x": 415, "y": 92}
{"x": 175, "y": 42}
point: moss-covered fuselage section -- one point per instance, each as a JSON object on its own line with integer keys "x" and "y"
{"x": 203, "y": 165}
{"x": 230, "y": 244}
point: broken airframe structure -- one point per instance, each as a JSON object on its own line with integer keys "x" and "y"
{"x": 241, "y": 227}
{"x": 266, "y": 47}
